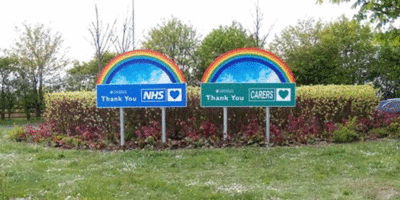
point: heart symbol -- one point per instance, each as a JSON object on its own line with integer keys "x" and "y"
{"x": 283, "y": 93}
{"x": 174, "y": 94}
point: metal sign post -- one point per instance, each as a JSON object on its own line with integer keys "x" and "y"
{"x": 225, "y": 122}
{"x": 121, "y": 122}
{"x": 163, "y": 84}
{"x": 248, "y": 95}
{"x": 163, "y": 137}
{"x": 267, "y": 128}
{"x": 141, "y": 95}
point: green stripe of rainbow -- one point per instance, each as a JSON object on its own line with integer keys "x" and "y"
{"x": 114, "y": 63}
{"x": 243, "y": 52}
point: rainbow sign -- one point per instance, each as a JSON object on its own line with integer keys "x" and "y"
{"x": 248, "y": 77}
{"x": 140, "y": 67}
{"x": 141, "y": 78}
{"x": 248, "y": 65}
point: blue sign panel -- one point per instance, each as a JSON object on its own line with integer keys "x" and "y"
{"x": 141, "y": 95}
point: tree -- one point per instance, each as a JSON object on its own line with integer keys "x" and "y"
{"x": 385, "y": 72}
{"x": 220, "y": 41}
{"x": 123, "y": 42}
{"x": 7, "y": 85}
{"x": 259, "y": 41}
{"x": 336, "y": 53}
{"x": 178, "y": 41}
{"x": 381, "y": 11}
{"x": 40, "y": 56}
{"x": 296, "y": 46}
{"x": 351, "y": 47}
{"x": 101, "y": 38}
{"x": 83, "y": 76}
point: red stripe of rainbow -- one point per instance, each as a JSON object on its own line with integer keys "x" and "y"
{"x": 169, "y": 64}
{"x": 223, "y": 59}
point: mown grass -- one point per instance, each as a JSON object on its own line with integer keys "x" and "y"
{"x": 364, "y": 170}
{"x": 19, "y": 121}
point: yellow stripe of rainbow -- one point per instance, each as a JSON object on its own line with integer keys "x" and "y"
{"x": 243, "y": 52}
{"x": 169, "y": 64}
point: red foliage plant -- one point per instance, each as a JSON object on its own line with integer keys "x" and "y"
{"x": 277, "y": 137}
{"x": 189, "y": 130}
{"x": 329, "y": 127}
{"x": 252, "y": 128}
{"x": 301, "y": 130}
{"x": 209, "y": 129}
{"x": 41, "y": 131}
{"x": 153, "y": 129}
{"x": 88, "y": 133}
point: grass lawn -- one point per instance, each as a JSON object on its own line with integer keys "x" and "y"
{"x": 19, "y": 121}
{"x": 364, "y": 170}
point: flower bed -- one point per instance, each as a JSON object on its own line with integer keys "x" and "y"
{"x": 321, "y": 114}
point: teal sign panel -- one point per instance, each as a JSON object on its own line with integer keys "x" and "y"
{"x": 248, "y": 95}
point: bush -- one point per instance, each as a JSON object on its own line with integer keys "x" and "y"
{"x": 318, "y": 111}
{"x": 41, "y": 132}
{"x": 379, "y": 132}
{"x": 394, "y": 128}
{"x": 17, "y": 134}
{"x": 347, "y": 132}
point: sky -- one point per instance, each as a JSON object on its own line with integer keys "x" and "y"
{"x": 140, "y": 74}
{"x": 72, "y": 18}
{"x": 248, "y": 72}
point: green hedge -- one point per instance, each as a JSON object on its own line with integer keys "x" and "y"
{"x": 326, "y": 103}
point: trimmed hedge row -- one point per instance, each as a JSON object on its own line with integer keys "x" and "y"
{"x": 316, "y": 106}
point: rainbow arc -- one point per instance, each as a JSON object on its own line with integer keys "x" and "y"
{"x": 138, "y": 57}
{"x": 245, "y": 56}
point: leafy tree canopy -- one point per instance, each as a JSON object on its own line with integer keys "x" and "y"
{"x": 386, "y": 71}
{"x": 177, "y": 40}
{"x": 91, "y": 67}
{"x": 334, "y": 53}
{"x": 220, "y": 41}
{"x": 83, "y": 76}
{"x": 381, "y": 12}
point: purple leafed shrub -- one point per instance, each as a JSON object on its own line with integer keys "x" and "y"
{"x": 42, "y": 131}
{"x": 88, "y": 133}
{"x": 209, "y": 129}
{"x": 277, "y": 136}
{"x": 252, "y": 128}
{"x": 188, "y": 129}
{"x": 329, "y": 127}
{"x": 153, "y": 129}
{"x": 375, "y": 120}
{"x": 303, "y": 131}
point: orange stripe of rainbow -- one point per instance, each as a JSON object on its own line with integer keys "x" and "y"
{"x": 221, "y": 61}
{"x": 111, "y": 65}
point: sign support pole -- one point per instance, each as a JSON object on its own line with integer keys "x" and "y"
{"x": 267, "y": 128}
{"x": 225, "y": 122}
{"x": 121, "y": 122}
{"x": 163, "y": 124}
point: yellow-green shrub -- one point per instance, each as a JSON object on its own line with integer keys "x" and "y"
{"x": 346, "y": 133}
{"x": 17, "y": 133}
{"x": 335, "y": 102}
{"x": 326, "y": 103}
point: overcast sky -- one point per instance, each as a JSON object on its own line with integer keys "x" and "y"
{"x": 72, "y": 18}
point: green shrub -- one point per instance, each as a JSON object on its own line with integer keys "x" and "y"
{"x": 380, "y": 132}
{"x": 17, "y": 134}
{"x": 347, "y": 132}
{"x": 394, "y": 128}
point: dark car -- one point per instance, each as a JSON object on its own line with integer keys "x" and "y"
{"x": 390, "y": 106}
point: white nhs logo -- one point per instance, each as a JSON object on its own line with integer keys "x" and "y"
{"x": 153, "y": 95}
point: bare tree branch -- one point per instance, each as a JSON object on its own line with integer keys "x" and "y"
{"x": 123, "y": 42}
{"x": 260, "y": 41}
{"x": 100, "y": 37}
